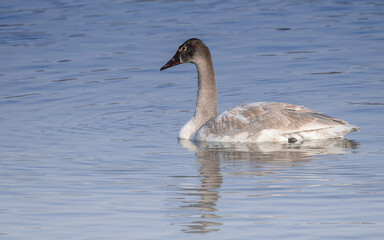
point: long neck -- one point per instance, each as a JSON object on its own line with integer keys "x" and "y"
{"x": 206, "y": 105}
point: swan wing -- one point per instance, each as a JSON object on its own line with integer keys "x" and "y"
{"x": 275, "y": 122}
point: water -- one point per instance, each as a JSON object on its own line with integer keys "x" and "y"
{"x": 88, "y": 146}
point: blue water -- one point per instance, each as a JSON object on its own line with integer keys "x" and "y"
{"x": 88, "y": 124}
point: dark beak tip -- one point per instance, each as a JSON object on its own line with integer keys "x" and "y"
{"x": 173, "y": 62}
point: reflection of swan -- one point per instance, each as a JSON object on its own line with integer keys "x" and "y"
{"x": 305, "y": 149}
{"x": 208, "y": 191}
{"x": 211, "y": 155}
{"x": 254, "y": 122}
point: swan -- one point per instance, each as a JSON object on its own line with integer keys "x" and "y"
{"x": 253, "y": 122}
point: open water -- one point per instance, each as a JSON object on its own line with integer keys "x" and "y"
{"x": 88, "y": 124}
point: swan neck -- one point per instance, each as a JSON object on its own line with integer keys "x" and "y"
{"x": 206, "y": 105}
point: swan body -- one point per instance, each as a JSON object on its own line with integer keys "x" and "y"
{"x": 271, "y": 122}
{"x": 254, "y": 122}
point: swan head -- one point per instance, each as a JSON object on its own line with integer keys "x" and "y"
{"x": 190, "y": 51}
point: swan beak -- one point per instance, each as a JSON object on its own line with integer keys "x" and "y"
{"x": 173, "y": 62}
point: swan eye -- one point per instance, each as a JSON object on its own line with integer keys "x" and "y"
{"x": 184, "y": 48}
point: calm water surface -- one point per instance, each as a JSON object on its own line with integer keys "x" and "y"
{"x": 88, "y": 124}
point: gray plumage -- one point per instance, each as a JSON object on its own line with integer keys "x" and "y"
{"x": 254, "y": 122}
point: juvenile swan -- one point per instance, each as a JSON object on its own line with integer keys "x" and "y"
{"x": 253, "y": 122}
